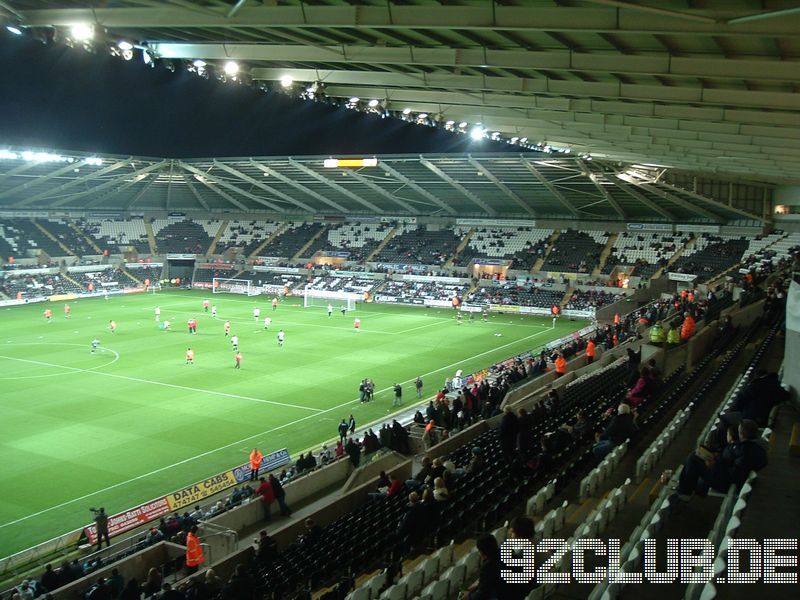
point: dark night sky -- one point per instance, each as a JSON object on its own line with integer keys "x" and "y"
{"x": 62, "y": 98}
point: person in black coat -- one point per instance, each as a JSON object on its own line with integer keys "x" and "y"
{"x": 703, "y": 470}
{"x": 619, "y": 429}
{"x": 490, "y": 584}
{"x": 509, "y": 429}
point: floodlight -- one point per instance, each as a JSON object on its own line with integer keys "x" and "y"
{"x": 199, "y": 64}
{"x": 373, "y": 103}
{"x": 477, "y": 133}
{"x": 406, "y": 111}
{"x": 82, "y": 32}
{"x": 14, "y": 29}
{"x": 354, "y": 100}
{"x": 463, "y": 125}
{"x": 124, "y": 45}
{"x": 287, "y": 81}
{"x": 148, "y": 60}
{"x": 422, "y": 116}
{"x": 450, "y": 123}
{"x": 231, "y": 68}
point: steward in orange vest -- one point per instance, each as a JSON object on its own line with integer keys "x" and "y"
{"x": 255, "y": 463}
{"x": 590, "y": 352}
{"x": 194, "y": 551}
{"x": 561, "y": 365}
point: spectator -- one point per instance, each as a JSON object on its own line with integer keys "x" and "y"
{"x": 704, "y": 470}
{"x": 267, "y": 497}
{"x": 489, "y": 584}
{"x": 619, "y": 429}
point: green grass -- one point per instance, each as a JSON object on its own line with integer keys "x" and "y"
{"x": 133, "y": 422}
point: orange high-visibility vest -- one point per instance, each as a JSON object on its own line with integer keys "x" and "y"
{"x": 616, "y": 319}
{"x": 590, "y": 349}
{"x": 255, "y": 459}
{"x": 194, "y": 551}
{"x": 561, "y": 365}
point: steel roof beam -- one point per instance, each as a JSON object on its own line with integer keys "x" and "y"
{"x": 705, "y": 199}
{"x": 205, "y": 181}
{"x": 458, "y": 186}
{"x": 262, "y": 186}
{"x": 679, "y": 201}
{"x": 229, "y": 186}
{"x": 110, "y": 184}
{"x": 538, "y": 87}
{"x": 335, "y": 186}
{"x": 593, "y": 178}
{"x": 78, "y": 181}
{"x": 420, "y": 190}
{"x": 556, "y": 60}
{"x": 379, "y": 190}
{"x": 551, "y": 188}
{"x": 487, "y": 17}
{"x": 302, "y": 188}
{"x": 502, "y": 186}
{"x": 628, "y": 189}
{"x": 38, "y": 180}
{"x": 195, "y": 193}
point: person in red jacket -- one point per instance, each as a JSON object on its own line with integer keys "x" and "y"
{"x": 267, "y": 497}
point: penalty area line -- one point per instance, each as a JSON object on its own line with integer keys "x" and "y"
{"x": 243, "y": 440}
{"x": 161, "y": 383}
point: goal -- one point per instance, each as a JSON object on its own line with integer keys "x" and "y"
{"x": 322, "y": 298}
{"x": 220, "y": 285}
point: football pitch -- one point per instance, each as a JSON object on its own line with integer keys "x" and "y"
{"x": 132, "y": 421}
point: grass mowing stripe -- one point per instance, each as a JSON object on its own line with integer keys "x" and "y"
{"x": 243, "y": 440}
{"x": 162, "y": 383}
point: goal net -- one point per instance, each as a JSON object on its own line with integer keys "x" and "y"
{"x": 245, "y": 287}
{"x": 322, "y": 298}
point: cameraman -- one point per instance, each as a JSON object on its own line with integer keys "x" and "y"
{"x": 101, "y": 524}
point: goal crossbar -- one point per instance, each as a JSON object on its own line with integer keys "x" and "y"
{"x": 336, "y": 300}
{"x": 223, "y": 285}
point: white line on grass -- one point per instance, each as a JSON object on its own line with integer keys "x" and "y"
{"x": 171, "y": 385}
{"x": 247, "y": 439}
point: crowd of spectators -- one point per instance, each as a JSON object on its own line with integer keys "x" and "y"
{"x": 591, "y": 299}
{"x": 419, "y": 291}
{"x": 518, "y": 293}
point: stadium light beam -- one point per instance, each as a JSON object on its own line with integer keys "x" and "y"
{"x": 231, "y": 68}
{"x": 477, "y": 133}
{"x": 287, "y": 81}
{"x": 14, "y": 29}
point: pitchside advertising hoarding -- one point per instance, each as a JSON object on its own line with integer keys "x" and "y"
{"x": 184, "y": 497}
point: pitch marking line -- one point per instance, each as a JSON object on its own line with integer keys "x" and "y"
{"x": 247, "y": 439}
{"x": 171, "y": 385}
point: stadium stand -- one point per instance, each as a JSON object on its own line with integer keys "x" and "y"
{"x": 592, "y": 299}
{"x": 423, "y": 245}
{"x": 282, "y": 280}
{"x": 417, "y": 292}
{"x": 25, "y": 238}
{"x": 647, "y": 251}
{"x": 116, "y": 234}
{"x": 245, "y": 235}
{"x": 523, "y": 245}
{"x": 709, "y": 255}
{"x": 517, "y": 293}
{"x": 186, "y": 236}
{"x": 358, "y": 239}
{"x": 68, "y": 236}
{"x": 292, "y": 240}
{"x": 37, "y": 286}
{"x": 355, "y": 285}
{"x": 575, "y": 251}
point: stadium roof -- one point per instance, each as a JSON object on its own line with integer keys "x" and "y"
{"x": 501, "y": 185}
{"x": 703, "y": 85}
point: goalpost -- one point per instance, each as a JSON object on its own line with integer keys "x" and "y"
{"x": 321, "y": 299}
{"x": 221, "y": 285}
